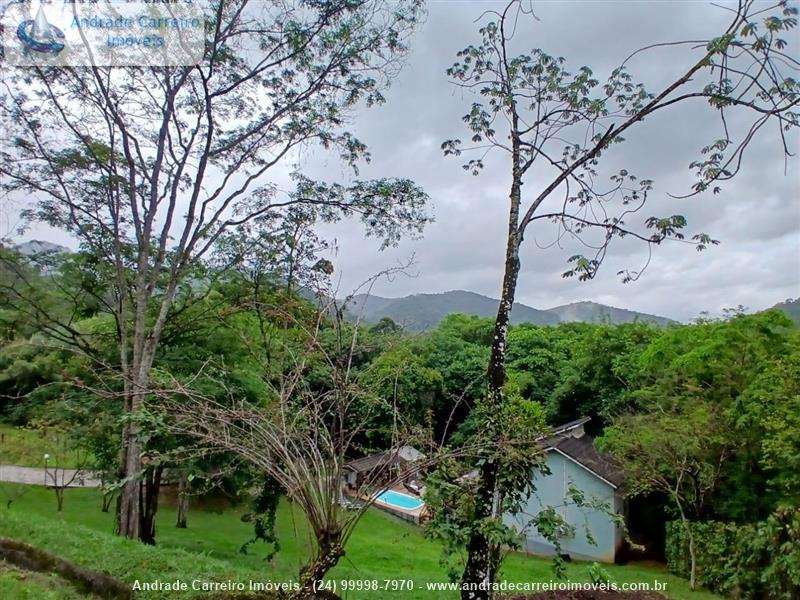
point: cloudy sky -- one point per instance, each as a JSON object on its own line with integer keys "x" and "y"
{"x": 756, "y": 217}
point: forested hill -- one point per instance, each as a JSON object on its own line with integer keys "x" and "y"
{"x": 37, "y": 247}
{"x": 592, "y": 312}
{"x": 791, "y": 308}
{"x": 419, "y": 312}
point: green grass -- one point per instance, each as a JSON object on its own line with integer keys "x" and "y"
{"x": 27, "y": 447}
{"x": 19, "y": 585}
{"x": 381, "y": 548}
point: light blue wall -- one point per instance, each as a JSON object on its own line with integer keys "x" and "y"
{"x": 551, "y": 490}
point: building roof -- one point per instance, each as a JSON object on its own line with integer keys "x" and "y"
{"x": 368, "y": 463}
{"x": 401, "y": 455}
{"x": 582, "y": 451}
{"x": 566, "y": 427}
{"x": 571, "y": 441}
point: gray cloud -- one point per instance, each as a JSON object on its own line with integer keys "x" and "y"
{"x": 757, "y": 216}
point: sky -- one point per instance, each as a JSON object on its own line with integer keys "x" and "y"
{"x": 756, "y": 217}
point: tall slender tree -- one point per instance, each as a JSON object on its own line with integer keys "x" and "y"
{"x": 546, "y": 118}
{"x": 149, "y": 167}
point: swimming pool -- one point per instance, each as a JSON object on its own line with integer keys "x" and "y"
{"x": 399, "y": 500}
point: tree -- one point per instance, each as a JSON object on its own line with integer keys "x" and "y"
{"x": 453, "y": 492}
{"x": 536, "y": 358}
{"x": 680, "y": 453}
{"x": 401, "y": 384}
{"x": 597, "y": 381}
{"x": 150, "y": 167}
{"x": 772, "y": 404}
{"x": 720, "y": 363}
{"x": 300, "y": 436}
{"x": 543, "y": 117}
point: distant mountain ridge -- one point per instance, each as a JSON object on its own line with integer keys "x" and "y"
{"x": 34, "y": 247}
{"x": 592, "y": 312}
{"x": 419, "y": 312}
{"x": 791, "y": 308}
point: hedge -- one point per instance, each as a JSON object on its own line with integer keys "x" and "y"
{"x": 753, "y": 561}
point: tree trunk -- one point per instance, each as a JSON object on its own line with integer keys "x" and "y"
{"x": 128, "y": 519}
{"x": 107, "y": 498}
{"x": 692, "y": 557}
{"x": 480, "y": 566}
{"x": 330, "y": 551}
{"x": 183, "y": 501}
{"x": 132, "y": 498}
{"x": 687, "y": 526}
{"x": 149, "y": 495}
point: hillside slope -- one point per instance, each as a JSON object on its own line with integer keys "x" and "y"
{"x": 592, "y": 312}
{"x": 420, "y": 312}
{"x": 791, "y": 308}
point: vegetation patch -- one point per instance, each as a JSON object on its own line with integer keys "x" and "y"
{"x": 746, "y": 561}
{"x": 113, "y": 557}
{"x": 26, "y": 448}
{"x": 382, "y": 547}
{"x": 23, "y": 585}
{"x": 35, "y": 559}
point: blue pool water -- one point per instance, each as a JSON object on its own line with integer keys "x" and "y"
{"x": 399, "y": 500}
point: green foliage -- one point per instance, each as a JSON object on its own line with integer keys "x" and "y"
{"x": 750, "y": 561}
{"x": 121, "y": 558}
{"x": 536, "y": 358}
{"x": 264, "y": 517}
{"x": 679, "y": 453}
{"x": 726, "y": 366}
{"x": 382, "y": 546}
{"x": 771, "y": 405}
{"x": 597, "y": 379}
{"x": 400, "y": 384}
{"x": 451, "y": 491}
{"x": 598, "y": 575}
{"x": 25, "y": 370}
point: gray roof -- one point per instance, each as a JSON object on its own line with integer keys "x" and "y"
{"x": 401, "y": 455}
{"x": 570, "y": 426}
{"x": 581, "y": 449}
{"x": 570, "y": 440}
{"x": 368, "y": 463}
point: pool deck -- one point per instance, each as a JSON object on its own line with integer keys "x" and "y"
{"x": 416, "y": 515}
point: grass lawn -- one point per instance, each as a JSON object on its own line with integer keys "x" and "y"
{"x": 18, "y": 584}
{"x": 382, "y": 547}
{"x": 27, "y": 447}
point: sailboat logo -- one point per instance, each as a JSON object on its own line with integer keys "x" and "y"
{"x": 39, "y": 35}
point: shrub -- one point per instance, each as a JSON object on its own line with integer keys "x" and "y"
{"x": 747, "y": 562}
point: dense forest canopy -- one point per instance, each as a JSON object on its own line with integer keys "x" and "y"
{"x": 229, "y": 338}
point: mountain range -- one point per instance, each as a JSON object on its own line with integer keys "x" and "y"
{"x": 791, "y": 308}
{"x": 34, "y": 247}
{"x": 420, "y": 312}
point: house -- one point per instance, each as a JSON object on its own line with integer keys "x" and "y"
{"x": 376, "y": 469}
{"x": 572, "y": 459}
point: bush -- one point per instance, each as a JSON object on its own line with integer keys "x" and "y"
{"x": 747, "y": 562}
